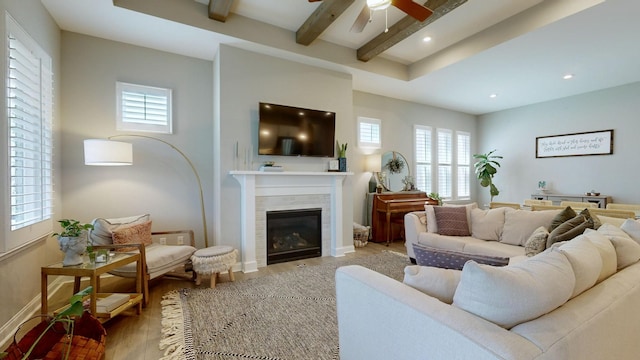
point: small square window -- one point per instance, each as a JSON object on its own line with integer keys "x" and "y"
{"x": 143, "y": 108}
{"x": 369, "y": 133}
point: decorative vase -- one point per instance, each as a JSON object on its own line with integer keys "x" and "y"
{"x": 73, "y": 248}
{"x": 342, "y": 164}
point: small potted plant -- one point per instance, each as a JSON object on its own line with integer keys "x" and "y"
{"x": 342, "y": 156}
{"x": 73, "y": 240}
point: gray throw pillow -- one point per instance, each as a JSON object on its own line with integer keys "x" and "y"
{"x": 567, "y": 214}
{"x": 569, "y": 229}
{"x": 449, "y": 259}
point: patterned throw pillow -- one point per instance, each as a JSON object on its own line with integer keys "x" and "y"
{"x": 136, "y": 234}
{"x": 537, "y": 242}
{"x": 449, "y": 259}
{"x": 452, "y": 221}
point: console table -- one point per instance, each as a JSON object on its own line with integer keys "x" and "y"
{"x": 391, "y": 207}
{"x": 93, "y": 272}
{"x": 601, "y": 200}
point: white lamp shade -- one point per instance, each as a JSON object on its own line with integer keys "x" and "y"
{"x": 100, "y": 152}
{"x": 373, "y": 163}
{"x": 378, "y": 4}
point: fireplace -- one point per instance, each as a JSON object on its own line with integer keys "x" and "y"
{"x": 293, "y": 235}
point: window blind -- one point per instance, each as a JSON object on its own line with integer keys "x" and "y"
{"x": 444, "y": 162}
{"x": 143, "y": 108}
{"x": 464, "y": 164}
{"x": 422, "y": 145}
{"x": 30, "y": 116}
{"x": 369, "y": 133}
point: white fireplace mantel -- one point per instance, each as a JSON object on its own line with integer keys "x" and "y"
{"x": 255, "y": 184}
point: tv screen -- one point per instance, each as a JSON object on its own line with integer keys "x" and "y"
{"x": 291, "y": 131}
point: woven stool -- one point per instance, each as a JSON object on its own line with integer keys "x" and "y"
{"x": 212, "y": 261}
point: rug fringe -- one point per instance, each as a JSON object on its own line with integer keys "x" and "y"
{"x": 172, "y": 327}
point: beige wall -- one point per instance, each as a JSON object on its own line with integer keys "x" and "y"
{"x": 20, "y": 269}
{"x": 159, "y": 182}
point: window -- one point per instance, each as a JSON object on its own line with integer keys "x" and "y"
{"x": 423, "y": 158}
{"x": 29, "y": 101}
{"x": 464, "y": 164}
{"x": 369, "y": 133}
{"x": 143, "y": 108}
{"x": 443, "y": 162}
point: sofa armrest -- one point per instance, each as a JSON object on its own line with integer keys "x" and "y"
{"x": 412, "y": 228}
{"x": 381, "y": 318}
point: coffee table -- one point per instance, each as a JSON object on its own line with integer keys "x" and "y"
{"x": 93, "y": 272}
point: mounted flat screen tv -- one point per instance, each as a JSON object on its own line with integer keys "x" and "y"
{"x": 292, "y": 131}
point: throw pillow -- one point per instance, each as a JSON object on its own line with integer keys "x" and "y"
{"x": 587, "y": 214}
{"x": 451, "y": 259}
{"x": 520, "y": 224}
{"x": 467, "y": 207}
{"x": 517, "y": 293}
{"x": 136, "y": 234}
{"x": 627, "y": 250}
{"x": 537, "y": 242}
{"x": 452, "y": 221}
{"x": 102, "y": 233}
{"x": 436, "y": 282}
{"x": 632, "y": 228}
{"x": 569, "y": 229}
{"x": 430, "y": 218}
{"x": 487, "y": 224}
{"x": 564, "y": 215}
{"x": 607, "y": 253}
{"x": 585, "y": 260}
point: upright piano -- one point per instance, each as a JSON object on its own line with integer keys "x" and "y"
{"x": 389, "y": 208}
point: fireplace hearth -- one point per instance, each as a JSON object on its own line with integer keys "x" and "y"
{"x": 293, "y": 235}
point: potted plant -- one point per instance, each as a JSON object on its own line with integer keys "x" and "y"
{"x": 73, "y": 240}
{"x": 435, "y": 196}
{"x": 342, "y": 156}
{"x": 485, "y": 168}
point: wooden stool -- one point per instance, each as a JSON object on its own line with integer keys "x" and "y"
{"x": 212, "y": 261}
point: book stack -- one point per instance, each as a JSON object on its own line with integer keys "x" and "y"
{"x": 275, "y": 168}
{"x": 111, "y": 302}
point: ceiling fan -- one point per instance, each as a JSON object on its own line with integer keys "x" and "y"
{"x": 413, "y": 9}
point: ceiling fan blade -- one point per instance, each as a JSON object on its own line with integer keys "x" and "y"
{"x": 362, "y": 20}
{"x": 413, "y": 9}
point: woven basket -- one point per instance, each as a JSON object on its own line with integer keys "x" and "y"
{"x": 360, "y": 237}
{"x": 87, "y": 342}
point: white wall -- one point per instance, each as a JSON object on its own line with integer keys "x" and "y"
{"x": 243, "y": 79}
{"x": 20, "y": 269}
{"x": 159, "y": 182}
{"x": 513, "y": 133}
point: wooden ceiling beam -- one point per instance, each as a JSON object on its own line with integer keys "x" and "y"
{"x": 405, "y": 28}
{"x": 320, "y": 20}
{"x": 219, "y": 9}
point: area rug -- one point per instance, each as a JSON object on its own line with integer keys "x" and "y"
{"x": 285, "y": 316}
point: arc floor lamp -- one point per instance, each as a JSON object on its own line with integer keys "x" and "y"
{"x": 107, "y": 152}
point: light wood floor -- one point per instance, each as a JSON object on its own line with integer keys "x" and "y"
{"x": 131, "y": 336}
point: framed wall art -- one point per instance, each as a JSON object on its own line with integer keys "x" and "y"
{"x": 577, "y": 144}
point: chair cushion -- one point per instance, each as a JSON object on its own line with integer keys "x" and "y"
{"x": 160, "y": 259}
{"x": 102, "y": 233}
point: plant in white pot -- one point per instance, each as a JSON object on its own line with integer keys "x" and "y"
{"x": 73, "y": 240}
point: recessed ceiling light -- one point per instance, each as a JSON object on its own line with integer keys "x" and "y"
{"x": 568, "y": 76}
{"x": 493, "y": 96}
{"x": 427, "y": 39}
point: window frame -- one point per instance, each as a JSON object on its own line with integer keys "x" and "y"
{"x": 42, "y": 225}
{"x": 144, "y": 124}
{"x": 373, "y": 122}
{"x": 427, "y": 165}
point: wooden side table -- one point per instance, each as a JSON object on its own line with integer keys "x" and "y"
{"x": 93, "y": 272}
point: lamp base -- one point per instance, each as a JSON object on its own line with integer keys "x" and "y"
{"x": 373, "y": 183}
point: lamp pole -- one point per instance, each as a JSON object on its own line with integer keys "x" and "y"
{"x": 193, "y": 168}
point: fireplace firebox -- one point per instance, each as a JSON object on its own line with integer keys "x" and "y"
{"x": 293, "y": 235}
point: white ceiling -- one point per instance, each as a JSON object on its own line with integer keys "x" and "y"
{"x": 518, "y": 50}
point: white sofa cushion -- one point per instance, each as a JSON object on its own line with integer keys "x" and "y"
{"x": 632, "y": 228}
{"x": 469, "y": 245}
{"x": 487, "y": 224}
{"x": 585, "y": 260}
{"x": 520, "y": 224}
{"x": 437, "y": 282}
{"x": 513, "y": 294}
{"x": 607, "y": 253}
{"x": 627, "y": 250}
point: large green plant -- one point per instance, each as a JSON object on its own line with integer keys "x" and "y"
{"x": 486, "y": 167}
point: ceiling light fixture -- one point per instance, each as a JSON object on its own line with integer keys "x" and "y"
{"x": 427, "y": 39}
{"x": 378, "y": 4}
{"x": 493, "y": 96}
{"x": 568, "y": 76}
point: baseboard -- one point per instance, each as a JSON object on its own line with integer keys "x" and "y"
{"x": 27, "y": 312}
{"x": 341, "y": 251}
